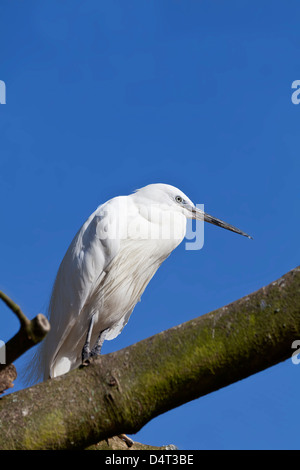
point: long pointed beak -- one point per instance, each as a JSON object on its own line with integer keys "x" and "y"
{"x": 200, "y": 215}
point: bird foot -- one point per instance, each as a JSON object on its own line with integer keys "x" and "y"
{"x": 85, "y": 363}
{"x": 85, "y": 355}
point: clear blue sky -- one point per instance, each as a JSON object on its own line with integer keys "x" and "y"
{"x": 104, "y": 97}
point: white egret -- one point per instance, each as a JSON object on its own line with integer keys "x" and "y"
{"x": 107, "y": 268}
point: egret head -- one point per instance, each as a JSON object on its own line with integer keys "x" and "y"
{"x": 172, "y": 198}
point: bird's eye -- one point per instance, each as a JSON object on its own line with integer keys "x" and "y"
{"x": 179, "y": 199}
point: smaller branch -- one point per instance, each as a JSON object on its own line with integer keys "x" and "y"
{"x": 15, "y": 308}
{"x": 26, "y": 338}
{"x": 7, "y": 376}
{"x": 31, "y": 332}
{"x": 115, "y": 443}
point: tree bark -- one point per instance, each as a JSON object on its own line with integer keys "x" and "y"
{"x": 30, "y": 333}
{"x": 27, "y": 337}
{"x": 115, "y": 443}
{"x": 120, "y": 392}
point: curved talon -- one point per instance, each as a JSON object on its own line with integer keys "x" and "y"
{"x": 85, "y": 363}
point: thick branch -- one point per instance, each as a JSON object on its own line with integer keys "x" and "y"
{"x": 122, "y": 391}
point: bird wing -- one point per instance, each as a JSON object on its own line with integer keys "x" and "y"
{"x": 93, "y": 248}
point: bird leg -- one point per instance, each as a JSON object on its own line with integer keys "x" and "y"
{"x": 86, "y": 352}
{"x": 96, "y": 351}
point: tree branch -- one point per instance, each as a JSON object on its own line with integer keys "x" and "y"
{"x": 31, "y": 332}
{"x": 114, "y": 443}
{"x": 15, "y": 308}
{"x": 120, "y": 392}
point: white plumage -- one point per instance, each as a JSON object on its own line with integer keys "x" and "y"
{"x": 107, "y": 268}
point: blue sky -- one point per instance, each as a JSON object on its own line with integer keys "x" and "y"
{"x": 103, "y": 97}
